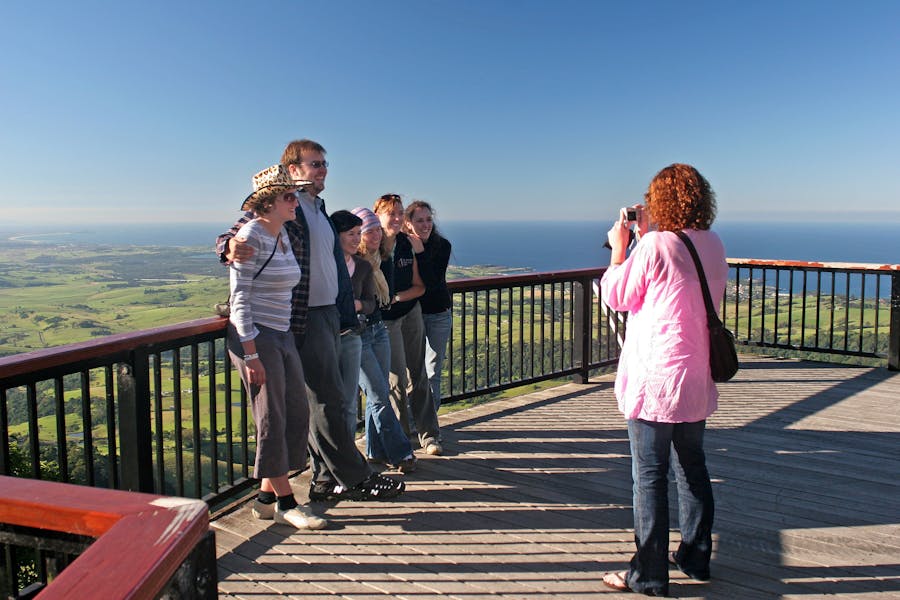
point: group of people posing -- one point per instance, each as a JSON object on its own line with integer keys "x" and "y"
{"x": 321, "y": 307}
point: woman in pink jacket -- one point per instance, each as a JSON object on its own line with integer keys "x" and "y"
{"x": 663, "y": 384}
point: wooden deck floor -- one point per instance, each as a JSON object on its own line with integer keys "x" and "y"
{"x": 533, "y": 500}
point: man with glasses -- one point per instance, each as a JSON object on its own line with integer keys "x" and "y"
{"x": 322, "y": 306}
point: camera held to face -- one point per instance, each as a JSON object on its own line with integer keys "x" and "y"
{"x": 631, "y": 214}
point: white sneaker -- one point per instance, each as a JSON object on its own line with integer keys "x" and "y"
{"x": 266, "y": 512}
{"x": 434, "y": 448}
{"x": 300, "y": 517}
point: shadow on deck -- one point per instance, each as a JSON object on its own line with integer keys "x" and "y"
{"x": 533, "y": 500}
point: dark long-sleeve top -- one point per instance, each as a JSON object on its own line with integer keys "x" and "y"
{"x": 364, "y": 289}
{"x": 401, "y": 277}
{"x": 432, "y": 262}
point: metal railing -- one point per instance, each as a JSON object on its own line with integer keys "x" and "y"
{"x": 816, "y": 309}
{"x": 163, "y": 411}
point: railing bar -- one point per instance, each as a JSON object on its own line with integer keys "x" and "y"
{"x": 447, "y": 380}
{"x": 464, "y": 331}
{"x": 762, "y": 311}
{"x": 750, "y": 304}
{"x": 498, "y": 329}
{"x": 510, "y": 326}
{"x": 818, "y": 304}
{"x": 552, "y": 326}
{"x": 62, "y": 454}
{"x": 475, "y": 339}
{"x": 877, "y": 311}
{"x": 737, "y": 300}
{"x": 10, "y": 564}
{"x": 847, "y": 312}
{"x": 531, "y": 333}
{"x": 803, "y": 274}
{"x": 831, "y": 326}
{"x": 176, "y": 420}
{"x": 521, "y": 322}
{"x": 213, "y": 417}
{"x": 5, "y": 466}
{"x": 111, "y": 440}
{"x": 33, "y": 430}
{"x": 195, "y": 422}
{"x": 245, "y": 427}
{"x": 777, "y": 299}
{"x": 790, "y": 319}
{"x": 862, "y": 308}
{"x": 488, "y": 372}
{"x": 543, "y": 340}
{"x": 229, "y": 409}
{"x": 87, "y": 423}
{"x": 158, "y": 416}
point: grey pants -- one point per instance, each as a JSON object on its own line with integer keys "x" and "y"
{"x": 412, "y": 393}
{"x": 280, "y": 409}
{"x": 332, "y": 448}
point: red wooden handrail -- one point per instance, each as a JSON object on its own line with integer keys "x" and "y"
{"x": 49, "y": 358}
{"x": 141, "y": 539}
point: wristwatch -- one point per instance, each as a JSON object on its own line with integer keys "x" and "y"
{"x": 396, "y": 297}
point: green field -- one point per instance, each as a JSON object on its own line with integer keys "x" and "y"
{"x": 52, "y": 295}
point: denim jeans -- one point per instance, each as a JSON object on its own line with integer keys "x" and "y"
{"x": 437, "y": 332}
{"x": 385, "y": 439}
{"x": 349, "y": 358}
{"x": 651, "y": 454}
{"x": 407, "y": 335}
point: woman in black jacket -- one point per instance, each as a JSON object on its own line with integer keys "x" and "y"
{"x": 406, "y": 329}
{"x": 436, "y": 302}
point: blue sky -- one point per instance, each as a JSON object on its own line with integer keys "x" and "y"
{"x": 490, "y": 110}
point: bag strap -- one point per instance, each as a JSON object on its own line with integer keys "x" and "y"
{"x": 711, "y": 317}
{"x": 277, "y": 241}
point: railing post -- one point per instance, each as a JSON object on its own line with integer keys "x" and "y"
{"x": 894, "y": 339}
{"x": 581, "y": 345}
{"x": 134, "y": 424}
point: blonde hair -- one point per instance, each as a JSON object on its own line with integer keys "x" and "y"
{"x": 374, "y": 257}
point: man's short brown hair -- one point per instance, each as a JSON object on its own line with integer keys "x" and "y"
{"x": 292, "y": 154}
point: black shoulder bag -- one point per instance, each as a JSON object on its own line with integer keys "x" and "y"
{"x": 223, "y": 309}
{"x": 723, "y": 361}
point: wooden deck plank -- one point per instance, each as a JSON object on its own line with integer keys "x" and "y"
{"x": 533, "y": 500}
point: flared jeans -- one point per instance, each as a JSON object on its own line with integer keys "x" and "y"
{"x": 652, "y": 446}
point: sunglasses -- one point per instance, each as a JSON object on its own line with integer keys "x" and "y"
{"x": 316, "y": 164}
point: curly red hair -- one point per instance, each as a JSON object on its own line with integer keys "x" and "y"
{"x": 679, "y": 197}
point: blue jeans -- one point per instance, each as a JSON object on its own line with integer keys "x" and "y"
{"x": 385, "y": 439}
{"x": 651, "y": 446}
{"x": 349, "y": 358}
{"x": 437, "y": 332}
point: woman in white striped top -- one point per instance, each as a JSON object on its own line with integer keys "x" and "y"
{"x": 262, "y": 347}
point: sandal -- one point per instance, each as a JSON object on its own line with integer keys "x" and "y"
{"x": 617, "y": 581}
{"x": 378, "y": 487}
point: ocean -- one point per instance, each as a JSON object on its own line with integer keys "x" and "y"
{"x": 541, "y": 246}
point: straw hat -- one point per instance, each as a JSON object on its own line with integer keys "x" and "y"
{"x": 270, "y": 182}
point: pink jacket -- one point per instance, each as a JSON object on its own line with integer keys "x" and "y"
{"x": 663, "y": 373}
